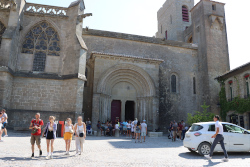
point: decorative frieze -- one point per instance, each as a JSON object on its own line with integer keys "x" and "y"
{"x": 44, "y": 9}
{"x": 7, "y": 4}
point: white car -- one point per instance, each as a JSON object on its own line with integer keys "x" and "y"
{"x": 198, "y": 138}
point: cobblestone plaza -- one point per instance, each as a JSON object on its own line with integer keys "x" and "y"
{"x": 109, "y": 151}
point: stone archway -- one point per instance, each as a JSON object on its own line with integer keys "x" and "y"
{"x": 111, "y": 87}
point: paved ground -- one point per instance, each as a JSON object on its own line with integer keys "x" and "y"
{"x": 108, "y": 151}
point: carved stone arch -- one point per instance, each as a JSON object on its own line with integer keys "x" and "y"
{"x": 136, "y": 75}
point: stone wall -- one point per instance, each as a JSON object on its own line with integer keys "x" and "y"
{"x": 5, "y": 89}
{"x": 44, "y": 94}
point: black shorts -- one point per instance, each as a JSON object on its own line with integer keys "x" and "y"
{"x": 50, "y": 135}
{"x": 4, "y": 125}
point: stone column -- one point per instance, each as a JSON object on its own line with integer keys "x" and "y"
{"x": 155, "y": 111}
{"x": 123, "y": 110}
{"x": 95, "y": 110}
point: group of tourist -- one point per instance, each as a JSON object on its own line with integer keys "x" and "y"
{"x": 127, "y": 128}
{"x": 177, "y": 130}
{"x": 79, "y": 129}
{"x": 3, "y": 124}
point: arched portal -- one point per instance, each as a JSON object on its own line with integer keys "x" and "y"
{"x": 129, "y": 84}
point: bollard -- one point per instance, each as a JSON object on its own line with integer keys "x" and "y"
{"x": 95, "y": 133}
{"x": 117, "y": 133}
{"x": 61, "y": 126}
{"x": 99, "y": 134}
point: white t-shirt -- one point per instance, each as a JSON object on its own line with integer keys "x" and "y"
{"x": 143, "y": 127}
{"x": 116, "y": 126}
{"x": 219, "y": 125}
{"x": 4, "y": 116}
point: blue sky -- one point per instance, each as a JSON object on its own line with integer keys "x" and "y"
{"x": 140, "y": 17}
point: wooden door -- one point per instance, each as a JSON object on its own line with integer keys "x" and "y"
{"x": 115, "y": 110}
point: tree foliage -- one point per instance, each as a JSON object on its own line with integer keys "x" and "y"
{"x": 200, "y": 116}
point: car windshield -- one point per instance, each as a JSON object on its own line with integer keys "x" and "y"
{"x": 195, "y": 127}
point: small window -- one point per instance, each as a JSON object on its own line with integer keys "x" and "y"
{"x": 195, "y": 127}
{"x": 247, "y": 85}
{"x": 231, "y": 90}
{"x": 2, "y": 29}
{"x": 166, "y": 34}
{"x": 194, "y": 85}
{"x": 173, "y": 84}
{"x": 161, "y": 29}
{"x": 211, "y": 128}
{"x": 214, "y": 7}
{"x": 185, "y": 14}
{"x": 86, "y": 75}
{"x": 234, "y": 129}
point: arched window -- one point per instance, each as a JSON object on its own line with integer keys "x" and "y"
{"x": 41, "y": 40}
{"x": 173, "y": 84}
{"x": 247, "y": 85}
{"x": 230, "y": 90}
{"x": 185, "y": 15}
{"x": 190, "y": 40}
{"x": 2, "y": 29}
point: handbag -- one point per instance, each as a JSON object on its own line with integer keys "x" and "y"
{"x": 34, "y": 131}
{"x": 80, "y": 134}
{"x": 71, "y": 131}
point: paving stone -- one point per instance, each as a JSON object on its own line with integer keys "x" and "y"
{"x": 110, "y": 151}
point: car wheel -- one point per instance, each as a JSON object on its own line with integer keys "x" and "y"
{"x": 191, "y": 150}
{"x": 204, "y": 149}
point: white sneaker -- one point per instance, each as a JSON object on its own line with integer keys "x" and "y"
{"x": 47, "y": 157}
{"x": 5, "y": 135}
{"x": 51, "y": 157}
{"x": 225, "y": 159}
{"x": 76, "y": 154}
{"x": 208, "y": 157}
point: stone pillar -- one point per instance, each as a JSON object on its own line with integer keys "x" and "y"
{"x": 155, "y": 111}
{"x": 95, "y": 110}
{"x": 123, "y": 110}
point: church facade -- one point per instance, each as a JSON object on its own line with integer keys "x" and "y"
{"x": 50, "y": 64}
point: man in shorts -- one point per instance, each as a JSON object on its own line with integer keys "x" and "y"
{"x": 174, "y": 131}
{"x": 36, "y": 126}
{"x": 143, "y": 130}
{"x": 5, "y": 121}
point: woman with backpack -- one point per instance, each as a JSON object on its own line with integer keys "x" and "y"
{"x": 50, "y": 133}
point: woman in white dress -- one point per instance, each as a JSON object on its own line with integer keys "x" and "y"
{"x": 80, "y": 131}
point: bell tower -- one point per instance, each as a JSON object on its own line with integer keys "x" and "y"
{"x": 173, "y": 18}
{"x": 209, "y": 32}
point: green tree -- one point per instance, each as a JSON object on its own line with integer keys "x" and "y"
{"x": 203, "y": 116}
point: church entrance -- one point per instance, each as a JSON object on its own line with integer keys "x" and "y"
{"x": 115, "y": 110}
{"x": 130, "y": 110}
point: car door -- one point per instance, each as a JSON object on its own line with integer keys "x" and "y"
{"x": 211, "y": 131}
{"x": 238, "y": 140}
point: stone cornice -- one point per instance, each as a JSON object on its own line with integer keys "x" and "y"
{"x": 124, "y": 57}
{"x": 138, "y": 38}
{"x": 42, "y": 75}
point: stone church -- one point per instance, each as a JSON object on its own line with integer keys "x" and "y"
{"x": 50, "y": 64}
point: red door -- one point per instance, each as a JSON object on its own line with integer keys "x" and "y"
{"x": 115, "y": 110}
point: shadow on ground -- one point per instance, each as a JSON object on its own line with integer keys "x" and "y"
{"x": 33, "y": 159}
